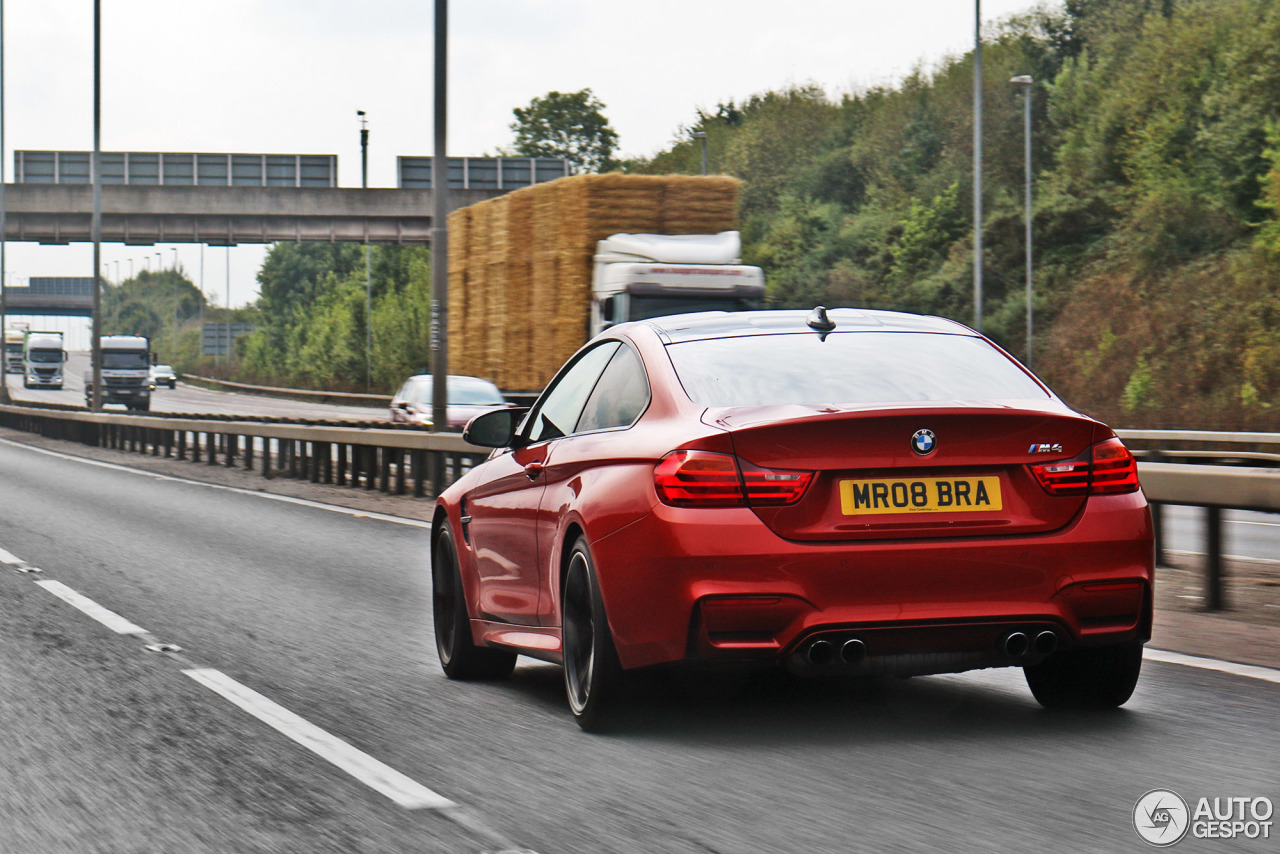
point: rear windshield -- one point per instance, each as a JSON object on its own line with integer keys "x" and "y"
{"x": 847, "y": 368}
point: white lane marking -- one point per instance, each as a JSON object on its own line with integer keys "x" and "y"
{"x": 1251, "y": 522}
{"x": 1264, "y": 560}
{"x": 287, "y": 499}
{"x": 382, "y": 778}
{"x": 1266, "y": 674}
{"x": 110, "y": 619}
{"x": 6, "y": 557}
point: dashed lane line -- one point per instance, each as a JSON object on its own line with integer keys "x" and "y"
{"x": 108, "y": 618}
{"x": 401, "y": 789}
{"x": 378, "y": 776}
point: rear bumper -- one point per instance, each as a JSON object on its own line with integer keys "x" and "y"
{"x": 120, "y": 395}
{"x": 717, "y": 585}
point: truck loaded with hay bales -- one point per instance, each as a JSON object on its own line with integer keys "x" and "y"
{"x": 535, "y": 273}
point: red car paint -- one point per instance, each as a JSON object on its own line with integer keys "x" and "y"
{"x": 933, "y": 591}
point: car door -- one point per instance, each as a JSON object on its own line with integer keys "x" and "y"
{"x": 593, "y": 470}
{"x": 503, "y": 508}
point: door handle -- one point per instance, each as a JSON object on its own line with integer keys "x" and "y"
{"x": 533, "y": 470}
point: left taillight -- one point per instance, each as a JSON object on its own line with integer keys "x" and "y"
{"x": 710, "y": 479}
{"x": 1107, "y": 468}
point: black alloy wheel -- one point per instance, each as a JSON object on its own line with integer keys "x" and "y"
{"x": 592, "y": 674}
{"x": 460, "y": 658}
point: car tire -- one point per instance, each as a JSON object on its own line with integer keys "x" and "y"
{"x": 1092, "y": 678}
{"x": 460, "y": 658}
{"x": 592, "y": 674}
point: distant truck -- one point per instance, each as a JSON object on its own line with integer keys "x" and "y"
{"x": 638, "y": 276}
{"x": 42, "y": 359}
{"x": 13, "y": 350}
{"x": 126, "y": 375}
{"x": 535, "y": 273}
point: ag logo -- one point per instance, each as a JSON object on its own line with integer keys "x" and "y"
{"x": 1161, "y": 817}
{"x": 923, "y": 442}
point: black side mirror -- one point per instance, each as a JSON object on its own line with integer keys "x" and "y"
{"x": 494, "y": 429}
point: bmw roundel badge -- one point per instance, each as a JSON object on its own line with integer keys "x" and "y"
{"x": 923, "y": 442}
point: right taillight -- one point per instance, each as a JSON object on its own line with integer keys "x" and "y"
{"x": 1106, "y": 468}
{"x": 710, "y": 479}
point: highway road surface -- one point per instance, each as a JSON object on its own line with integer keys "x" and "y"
{"x": 197, "y": 669}
{"x": 192, "y": 400}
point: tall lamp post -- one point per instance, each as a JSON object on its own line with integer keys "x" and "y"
{"x": 1025, "y": 81}
{"x": 368, "y": 277}
{"x": 702, "y": 135}
{"x": 4, "y": 236}
{"x": 440, "y": 234}
{"x": 977, "y": 165}
{"x": 173, "y": 289}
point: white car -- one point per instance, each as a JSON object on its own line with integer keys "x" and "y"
{"x": 163, "y": 375}
{"x": 468, "y": 397}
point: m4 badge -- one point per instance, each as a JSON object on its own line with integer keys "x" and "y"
{"x": 1045, "y": 448}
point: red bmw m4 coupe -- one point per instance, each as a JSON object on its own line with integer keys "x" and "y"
{"x": 833, "y": 492}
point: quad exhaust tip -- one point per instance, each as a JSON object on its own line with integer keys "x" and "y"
{"x": 823, "y": 652}
{"x": 1016, "y": 644}
{"x": 1046, "y": 642}
{"x": 853, "y": 651}
{"x": 820, "y": 652}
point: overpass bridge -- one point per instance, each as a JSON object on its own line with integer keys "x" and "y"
{"x": 225, "y": 216}
{"x": 228, "y": 199}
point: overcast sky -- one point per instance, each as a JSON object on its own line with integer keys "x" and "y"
{"x": 287, "y": 76}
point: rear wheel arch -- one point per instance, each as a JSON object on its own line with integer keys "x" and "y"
{"x": 571, "y": 535}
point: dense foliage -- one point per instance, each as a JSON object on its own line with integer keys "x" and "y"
{"x": 313, "y": 323}
{"x": 1156, "y": 217}
{"x": 570, "y": 125}
{"x": 1157, "y": 190}
{"x": 164, "y": 306}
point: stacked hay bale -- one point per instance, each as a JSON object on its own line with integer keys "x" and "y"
{"x": 521, "y": 264}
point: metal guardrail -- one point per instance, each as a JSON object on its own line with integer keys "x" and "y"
{"x": 387, "y": 459}
{"x": 393, "y": 460}
{"x": 338, "y": 397}
{"x": 1215, "y": 488}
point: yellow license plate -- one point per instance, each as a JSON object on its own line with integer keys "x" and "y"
{"x": 919, "y": 495}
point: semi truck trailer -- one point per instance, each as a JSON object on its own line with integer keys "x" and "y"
{"x": 537, "y": 272}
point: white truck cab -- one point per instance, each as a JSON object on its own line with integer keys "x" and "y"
{"x": 42, "y": 358}
{"x": 126, "y": 375}
{"x": 637, "y": 276}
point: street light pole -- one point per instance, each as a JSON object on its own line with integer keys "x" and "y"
{"x": 96, "y": 221}
{"x": 368, "y": 275}
{"x": 977, "y": 165}
{"x": 440, "y": 236}
{"x": 702, "y": 135}
{"x": 173, "y": 289}
{"x": 1025, "y": 81}
{"x": 4, "y": 235}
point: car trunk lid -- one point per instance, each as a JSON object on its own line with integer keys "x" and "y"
{"x": 943, "y": 470}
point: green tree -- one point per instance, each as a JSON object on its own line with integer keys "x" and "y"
{"x": 571, "y": 125}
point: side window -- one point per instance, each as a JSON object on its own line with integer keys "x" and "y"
{"x": 620, "y": 396}
{"x": 558, "y": 412}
